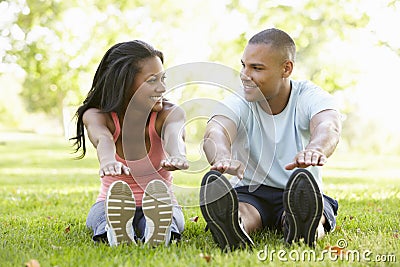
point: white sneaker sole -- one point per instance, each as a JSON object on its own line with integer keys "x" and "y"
{"x": 120, "y": 210}
{"x": 157, "y": 209}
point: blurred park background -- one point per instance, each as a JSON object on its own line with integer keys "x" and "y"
{"x": 49, "y": 51}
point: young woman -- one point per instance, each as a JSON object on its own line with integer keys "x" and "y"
{"x": 139, "y": 138}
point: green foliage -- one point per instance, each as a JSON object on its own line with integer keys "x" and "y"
{"x": 61, "y": 47}
{"x": 46, "y": 196}
{"x": 53, "y": 56}
{"x": 59, "y": 58}
{"x": 312, "y": 25}
{"x": 59, "y": 43}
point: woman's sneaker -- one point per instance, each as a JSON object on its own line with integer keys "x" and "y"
{"x": 157, "y": 209}
{"x": 120, "y": 210}
{"x": 303, "y": 204}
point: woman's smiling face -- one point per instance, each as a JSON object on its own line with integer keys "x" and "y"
{"x": 149, "y": 85}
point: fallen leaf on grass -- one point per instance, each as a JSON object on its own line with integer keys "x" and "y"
{"x": 336, "y": 250}
{"x": 194, "y": 219}
{"x": 67, "y": 229}
{"x": 396, "y": 234}
{"x": 206, "y": 257}
{"x": 32, "y": 263}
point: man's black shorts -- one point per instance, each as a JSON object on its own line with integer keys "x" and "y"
{"x": 269, "y": 203}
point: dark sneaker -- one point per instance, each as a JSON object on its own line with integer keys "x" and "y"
{"x": 157, "y": 209}
{"x": 120, "y": 210}
{"x": 303, "y": 204}
{"x": 219, "y": 206}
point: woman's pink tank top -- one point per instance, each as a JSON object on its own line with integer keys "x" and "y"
{"x": 143, "y": 170}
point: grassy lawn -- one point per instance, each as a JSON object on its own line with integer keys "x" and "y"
{"x": 46, "y": 194}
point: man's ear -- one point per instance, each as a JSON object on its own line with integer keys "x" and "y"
{"x": 287, "y": 68}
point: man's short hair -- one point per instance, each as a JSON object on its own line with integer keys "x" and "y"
{"x": 279, "y": 40}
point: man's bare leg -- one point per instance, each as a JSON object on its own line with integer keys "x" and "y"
{"x": 250, "y": 217}
{"x": 321, "y": 229}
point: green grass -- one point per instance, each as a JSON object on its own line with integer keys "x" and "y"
{"x": 45, "y": 195}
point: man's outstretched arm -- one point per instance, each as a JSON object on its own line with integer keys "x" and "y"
{"x": 325, "y": 129}
{"x": 218, "y": 138}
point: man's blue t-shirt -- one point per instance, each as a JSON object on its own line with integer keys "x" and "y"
{"x": 267, "y": 143}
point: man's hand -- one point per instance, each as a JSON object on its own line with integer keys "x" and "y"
{"x": 306, "y": 158}
{"x": 113, "y": 168}
{"x": 175, "y": 163}
{"x": 325, "y": 128}
{"x": 230, "y": 166}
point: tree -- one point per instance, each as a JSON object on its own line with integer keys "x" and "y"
{"x": 312, "y": 24}
{"x": 61, "y": 42}
{"x": 56, "y": 52}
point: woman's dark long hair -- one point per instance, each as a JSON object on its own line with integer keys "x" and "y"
{"x": 113, "y": 78}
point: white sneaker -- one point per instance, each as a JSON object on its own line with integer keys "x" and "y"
{"x": 120, "y": 210}
{"x": 157, "y": 209}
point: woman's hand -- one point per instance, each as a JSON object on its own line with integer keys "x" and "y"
{"x": 113, "y": 168}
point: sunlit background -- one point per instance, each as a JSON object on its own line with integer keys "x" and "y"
{"x": 49, "y": 51}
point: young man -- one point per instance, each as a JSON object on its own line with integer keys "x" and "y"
{"x": 273, "y": 141}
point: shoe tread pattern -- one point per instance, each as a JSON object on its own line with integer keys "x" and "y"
{"x": 120, "y": 210}
{"x": 303, "y": 207}
{"x": 219, "y": 206}
{"x": 157, "y": 207}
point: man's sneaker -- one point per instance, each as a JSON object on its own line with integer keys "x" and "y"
{"x": 157, "y": 209}
{"x": 219, "y": 206}
{"x": 120, "y": 210}
{"x": 303, "y": 204}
